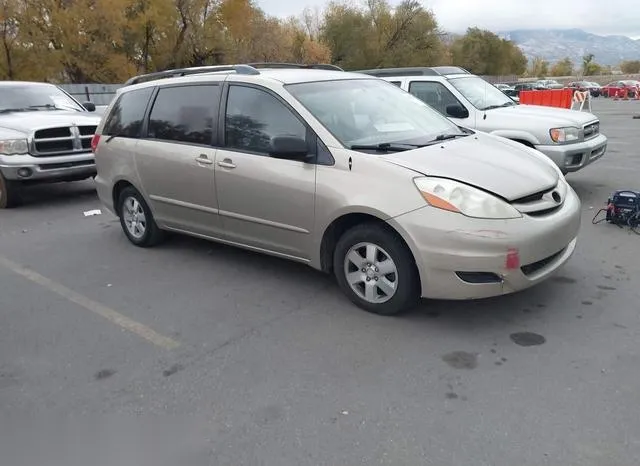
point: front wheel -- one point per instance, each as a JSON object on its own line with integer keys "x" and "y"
{"x": 376, "y": 270}
{"x": 9, "y": 195}
{"x": 137, "y": 220}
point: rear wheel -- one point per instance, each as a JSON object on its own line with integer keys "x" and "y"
{"x": 376, "y": 270}
{"x": 137, "y": 220}
{"x": 9, "y": 195}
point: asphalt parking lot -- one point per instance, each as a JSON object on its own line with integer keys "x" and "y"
{"x": 264, "y": 362}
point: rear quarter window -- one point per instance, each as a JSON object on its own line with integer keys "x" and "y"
{"x": 127, "y": 114}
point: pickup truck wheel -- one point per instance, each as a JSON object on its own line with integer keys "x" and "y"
{"x": 137, "y": 220}
{"x": 376, "y": 270}
{"x": 9, "y": 196}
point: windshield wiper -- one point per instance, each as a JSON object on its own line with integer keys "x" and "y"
{"x": 506, "y": 104}
{"x": 446, "y": 136}
{"x": 11, "y": 110}
{"x": 51, "y": 107}
{"x": 384, "y": 147}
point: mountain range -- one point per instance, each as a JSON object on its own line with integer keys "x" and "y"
{"x": 555, "y": 44}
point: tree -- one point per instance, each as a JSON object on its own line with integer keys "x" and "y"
{"x": 378, "y": 36}
{"x": 110, "y": 40}
{"x": 538, "y": 68}
{"x": 590, "y": 67}
{"x": 562, "y": 68}
{"x": 630, "y": 66}
{"x": 9, "y": 29}
{"x": 483, "y": 52}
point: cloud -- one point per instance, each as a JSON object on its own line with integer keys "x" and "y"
{"x": 611, "y": 17}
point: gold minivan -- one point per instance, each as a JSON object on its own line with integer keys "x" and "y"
{"x": 344, "y": 172}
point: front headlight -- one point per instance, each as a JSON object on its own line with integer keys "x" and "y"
{"x": 13, "y": 146}
{"x": 560, "y": 135}
{"x": 464, "y": 199}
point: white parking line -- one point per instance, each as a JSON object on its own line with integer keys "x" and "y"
{"x": 97, "y": 308}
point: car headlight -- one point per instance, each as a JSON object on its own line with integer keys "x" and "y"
{"x": 13, "y": 146}
{"x": 569, "y": 134}
{"x": 458, "y": 197}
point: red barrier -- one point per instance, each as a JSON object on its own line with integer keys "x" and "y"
{"x": 560, "y": 98}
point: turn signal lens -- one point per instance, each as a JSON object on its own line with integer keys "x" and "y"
{"x": 438, "y": 202}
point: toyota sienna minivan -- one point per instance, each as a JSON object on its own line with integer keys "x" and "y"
{"x": 344, "y": 172}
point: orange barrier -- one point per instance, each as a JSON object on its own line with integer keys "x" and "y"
{"x": 560, "y": 98}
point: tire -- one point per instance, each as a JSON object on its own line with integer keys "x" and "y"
{"x": 382, "y": 300}
{"x": 9, "y": 193}
{"x": 137, "y": 220}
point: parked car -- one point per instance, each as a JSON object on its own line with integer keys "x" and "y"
{"x": 504, "y": 87}
{"x": 45, "y": 137}
{"x": 616, "y": 88}
{"x": 340, "y": 171}
{"x": 528, "y": 87}
{"x": 585, "y": 86}
{"x": 549, "y": 84}
{"x": 572, "y": 139}
{"x": 508, "y": 90}
{"x": 594, "y": 88}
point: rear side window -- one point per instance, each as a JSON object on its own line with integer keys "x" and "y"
{"x": 185, "y": 114}
{"x": 125, "y": 119}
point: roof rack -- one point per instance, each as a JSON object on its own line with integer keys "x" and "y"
{"x": 315, "y": 66}
{"x": 250, "y": 68}
{"x": 240, "y": 69}
{"x": 416, "y": 71}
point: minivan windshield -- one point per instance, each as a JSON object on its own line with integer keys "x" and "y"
{"x": 35, "y": 97}
{"x": 480, "y": 93}
{"x": 372, "y": 112}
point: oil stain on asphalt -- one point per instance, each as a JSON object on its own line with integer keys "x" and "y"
{"x": 461, "y": 360}
{"x": 527, "y": 339}
{"x": 104, "y": 374}
{"x": 172, "y": 370}
{"x": 607, "y": 288}
{"x": 564, "y": 280}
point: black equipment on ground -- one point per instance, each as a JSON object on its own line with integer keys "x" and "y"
{"x": 623, "y": 209}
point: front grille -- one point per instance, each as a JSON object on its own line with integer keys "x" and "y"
{"x": 49, "y": 142}
{"x": 541, "y": 203}
{"x": 87, "y": 130}
{"x": 543, "y": 212}
{"x": 534, "y": 267}
{"x": 592, "y": 130}
{"x": 56, "y": 166}
{"x": 531, "y": 197}
{"x": 53, "y": 133}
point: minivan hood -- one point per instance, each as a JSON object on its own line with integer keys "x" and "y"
{"x": 26, "y": 122}
{"x": 553, "y": 116}
{"x": 491, "y": 163}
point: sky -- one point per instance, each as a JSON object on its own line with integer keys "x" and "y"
{"x": 617, "y": 17}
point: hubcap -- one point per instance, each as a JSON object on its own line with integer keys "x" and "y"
{"x": 371, "y": 273}
{"x": 134, "y": 218}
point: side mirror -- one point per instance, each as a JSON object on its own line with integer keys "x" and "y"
{"x": 457, "y": 111}
{"x": 89, "y": 106}
{"x": 289, "y": 147}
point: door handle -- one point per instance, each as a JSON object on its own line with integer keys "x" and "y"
{"x": 226, "y": 163}
{"x": 203, "y": 159}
